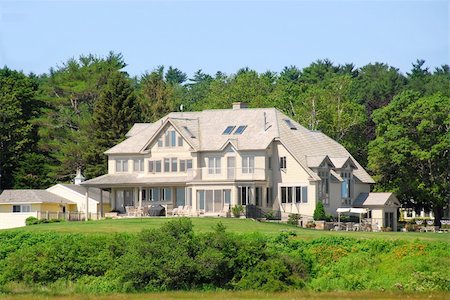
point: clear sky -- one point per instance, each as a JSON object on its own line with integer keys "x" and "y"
{"x": 224, "y": 35}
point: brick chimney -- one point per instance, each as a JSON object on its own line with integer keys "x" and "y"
{"x": 239, "y": 105}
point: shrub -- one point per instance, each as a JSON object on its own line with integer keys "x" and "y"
{"x": 31, "y": 221}
{"x": 293, "y": 219}
{"x": 270, "y": 215}
{"x": 319, "y": 212}
{"x": 237, "y": 210}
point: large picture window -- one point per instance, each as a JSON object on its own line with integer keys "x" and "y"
{"x": 21, "y": 208}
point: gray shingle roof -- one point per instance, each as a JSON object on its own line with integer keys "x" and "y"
{"x": 131, "y": 179}
{"x": 263, "y": 126}
{"x": 374, "y": 199}
{"x": 31, "y": 196}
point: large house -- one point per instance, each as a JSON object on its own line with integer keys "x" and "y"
{"x": 215, "y": 159}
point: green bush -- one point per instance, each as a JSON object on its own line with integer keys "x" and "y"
{"x": 31, "y": 221}
{"x": 173, "y": 257}
{"x": 293, "y": 219}
{"x": 319, "y": 212}
{"x": 237, "y": 210}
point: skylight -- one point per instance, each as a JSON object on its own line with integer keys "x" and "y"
{"x": 290, "y": 124}
{"x": 240, "y": 129}
{"x": 188, "y": 132}
{"x": 228, "y": 130}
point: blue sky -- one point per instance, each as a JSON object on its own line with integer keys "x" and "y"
{"x": 224, "y": 35}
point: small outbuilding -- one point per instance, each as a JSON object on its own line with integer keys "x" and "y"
{"x": 382, "y": 208}
{"x": 17, "y": 205}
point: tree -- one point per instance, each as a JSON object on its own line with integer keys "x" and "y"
{"x": 17, "y": 107}
{"x": 410, "y": 155}
{"x": 65, "y": 126}
{"x": 175, "y": 76}
{"x": 319, "y": 212}
{"x": 114, "y": 114}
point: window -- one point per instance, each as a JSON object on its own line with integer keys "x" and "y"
{"x": 244, "y": 195}
{"x": 154, "y": 166}
{"x": 283, "y": 162}
{"x": 290, "y": 124}
{"x": 144, "y": 194}
{"x": 189, "y": 164}
{"x": 166, "y": 194}
{"x": 170, "y": 139}
{"x": 240, "y": 129}
{"x": 269, "y": 162}
{"x": 214, "y": 165}
{"x": 121, "y": 165}
{"x": 346, "y": 186}
{"x": 258, "y": 196}
{"x": 227, "y": 196}
{"x": 289, "y": 194}
{"x": 298, "y": 194}
{"x": 138, "y": 165}
{"x": 160, "y": 142}
{"x": 166, "y": 164}
{"x": 21, "y": 208}
{"x": 268, "y": 196}
{"x": 248, "y": 164}
{"x": 283, "y": 194}
{"x": 304, "y": 194}
{"x": 173, "y": 138}
{"x": 185, "y": 164}
{"x": 174, "y": 165}
{"x": 180, "y": 141}
{"x": 201, "y": 199}
{"x": 228, "y": 130}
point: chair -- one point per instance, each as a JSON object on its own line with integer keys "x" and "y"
{"x": 187, "y": 210}
{"x": 129, "y": 210}
{"x": 177, "y": 211}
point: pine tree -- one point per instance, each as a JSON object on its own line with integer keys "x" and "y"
{"x": 114, "y": 113}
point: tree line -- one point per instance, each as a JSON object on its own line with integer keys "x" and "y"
{"x": 396, "y": 125}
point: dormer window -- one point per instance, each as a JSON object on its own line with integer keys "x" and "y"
{"x": 240, "y": 129}
{"x": 228, "y": 130}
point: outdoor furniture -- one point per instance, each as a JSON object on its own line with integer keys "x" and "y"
{"x": 177, "y": 211}
{"x": 130, "y": 210}
{"x": 156, "y": 210}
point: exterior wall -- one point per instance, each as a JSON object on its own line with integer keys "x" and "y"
{"x": 293, "y": 175}
{"x": 335, "y": 199}
{"x": 14, "y": 220}
{"x": 360, "y": 188}
{"x": 7, "y": 208}
{"x": 378, "y": 216}
{"x": 179, "y": 152}
{"x": 79, "y": 199}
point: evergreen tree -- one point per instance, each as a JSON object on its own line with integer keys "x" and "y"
{"x": 114, "y": 114}
{"x": 17, "y": 107}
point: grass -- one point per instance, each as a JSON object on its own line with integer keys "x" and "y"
{"x": 241, "y": 295}
{"x": 134, "y": 225}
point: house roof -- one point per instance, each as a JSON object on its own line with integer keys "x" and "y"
{"x": 94, "y": 193}
{"x": 375, "y": 199}
{"x": 31, "y": 196}
{"x": 129, "y": 178}
{"x": 204, "y": 131}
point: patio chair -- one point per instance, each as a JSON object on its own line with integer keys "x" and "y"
{"x": 187, "y": 210}
{"x": 177, "y": 211}
{"x": 129, "y": 210}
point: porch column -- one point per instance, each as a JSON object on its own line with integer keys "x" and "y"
{"x": 101, "y": 203}
{"x": 87, "y": 203}
{"x": 140, "y": 196}
{"x": 112, "y": 196}
{"x": 135, "y": 196}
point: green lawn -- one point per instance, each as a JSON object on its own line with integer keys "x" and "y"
{"x": 232, "y": 225}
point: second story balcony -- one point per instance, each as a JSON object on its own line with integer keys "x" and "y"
{"x": 228, "y": 174}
